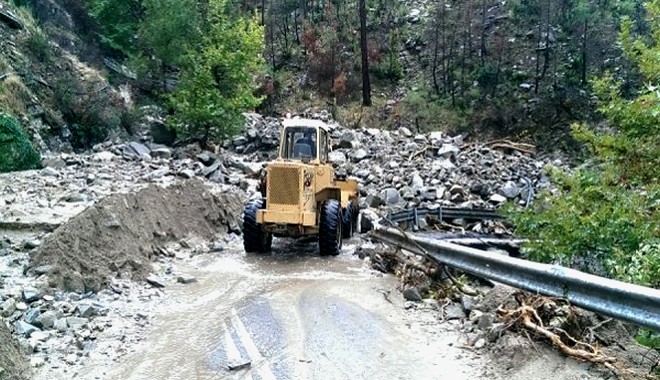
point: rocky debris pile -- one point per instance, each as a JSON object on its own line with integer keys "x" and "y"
{"x": 259, "y": 134}
{"x": 13, "y": 359}
{"x": 400, "y": 169}
{"x": 60, "y": 329}
{"x": 118, "y": 236}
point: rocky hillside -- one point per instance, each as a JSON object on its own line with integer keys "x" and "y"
{"x": 53, "y": 80}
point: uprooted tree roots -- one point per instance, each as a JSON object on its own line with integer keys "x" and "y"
{"x": 528, "y": 315}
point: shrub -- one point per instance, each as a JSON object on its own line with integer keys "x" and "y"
{"x": 16, "y": 150}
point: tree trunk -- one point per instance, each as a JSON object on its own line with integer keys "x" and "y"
{"x": 366, "y": 83}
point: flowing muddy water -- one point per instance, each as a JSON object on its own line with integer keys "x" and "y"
{"x": 290, "y": 315}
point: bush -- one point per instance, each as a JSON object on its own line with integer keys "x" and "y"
{"x": 91, "y": 109}
{"x": 16, "y": 150}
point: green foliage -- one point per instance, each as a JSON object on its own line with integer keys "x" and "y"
{"x": 119, "y": 22}
{"x": 37, "y": 44}
{"x": 430, "y": 114}
{"x": 169, "y": 28}
{"x": 649, "y": 338}
{"x": 16, "y": 150}
{"x": 217, "y": 81}
{"x": 607, "y": 214}
{"x": 390, "y": 68}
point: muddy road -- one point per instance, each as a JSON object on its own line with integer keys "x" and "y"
{"x": 289, "y": 316}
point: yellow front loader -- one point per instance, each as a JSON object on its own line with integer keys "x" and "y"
{"x": 301, "y": 194}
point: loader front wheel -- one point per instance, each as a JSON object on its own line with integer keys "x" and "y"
{"x": 255, "y": 239}
{"x": 348, "y": 221}
{"x": 330, "y": 229}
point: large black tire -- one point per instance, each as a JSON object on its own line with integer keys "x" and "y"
{"x": 255, "y": 240}
{"x": 348, "y": 221}
{"x": 330, "y": 235}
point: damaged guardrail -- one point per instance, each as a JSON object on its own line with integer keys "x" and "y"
{"x": 628, "y": 302}
{"x": 412, "y": 216}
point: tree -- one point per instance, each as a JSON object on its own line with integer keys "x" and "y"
{"x": 366, "y": 84}
{"x": 608, "y": 210}
{"x": 119, "y": 21}
{"x": 170, "y": 28}
{"x": 217, "y": 81}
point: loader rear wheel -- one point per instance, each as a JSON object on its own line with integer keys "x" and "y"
{"x": 255, "y": 239}
{"x": 330, "y": 234}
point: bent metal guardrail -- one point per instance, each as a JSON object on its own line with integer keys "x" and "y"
{"x": 632, "y": 303}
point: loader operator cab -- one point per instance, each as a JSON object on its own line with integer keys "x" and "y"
{"x": 304, "y": 143}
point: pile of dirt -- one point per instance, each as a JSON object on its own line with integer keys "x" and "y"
{"x": 119, "y": 235}
{"x": 13, "y": 359}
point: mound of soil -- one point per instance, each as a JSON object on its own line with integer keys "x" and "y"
{"x": 13, "y": 359}
{"x": 119, "y": 235}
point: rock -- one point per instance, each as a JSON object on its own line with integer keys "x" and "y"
{"x": 407, "y": 193}
{"x": 31, "y": 244}
{"x": 8, "y": 307}
{"x": 348, "y": 140}
{"x": 373, "y": 201}
{"x": 480, "y": 343}
{"x": 86, "y": 310}
{"x": 412, "y": 294}
{"x": 90, "y": 179}
{"x": 206, "y": 158}
{"x": 155, "y": 281}
{"x": 40, "y": 336}
{"x": 359, "y": 155}
{"x": 46, "y": 320}
{"x": 50, "y": 172}
{"x": 417, "y": 183}
{"x": 456, "y": 190}
{"x": 239, "y": 141}
{"x": 103, "y": 156}
{"x": 24, "y": 328}
{"x": 43, "y": 269}
{"x": 37, "y": 361}
{"x": 510, "y": 190}
{"x": 368, "y": 220}
{"x": 71, "y": 359}
{"x": 337, "y": 157}
{"x": 448, "y": 150}
{"x": 21, "y": 306}
{"x": 454, "y": 311}
{"x": 76, "y": 322}
{"x": 217, "y": 246}
{"x": 31, "y": 315}
{"x": 30, "y": 295}
{"x": 485, "y": 321}
{"x": 75, "y": 198}
{"x": 10, "y": 19}
{"x": 405, "y": 132}
{"x": 61, "y": 325}
{"x": 467, "y": 302}
{"x": 475, "y": 315}
{"x": 139, "y": 149}
{"x": 186, "y": 279}
{"x": 390, "y": 196}
{"x": 162, "y": 152}
{"x": 186, "y": 173}
{"x": 496, "y": 198}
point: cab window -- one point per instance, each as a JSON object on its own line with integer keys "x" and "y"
{"x": 323, "y": 149}
{"x": 299, "y": 143}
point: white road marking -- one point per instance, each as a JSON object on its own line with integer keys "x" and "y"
{"x": 262, "y": 365}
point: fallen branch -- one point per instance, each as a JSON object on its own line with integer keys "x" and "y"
{"x": 513, "y": 147}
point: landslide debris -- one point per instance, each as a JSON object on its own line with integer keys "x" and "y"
{"x": 120, "y": 235}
